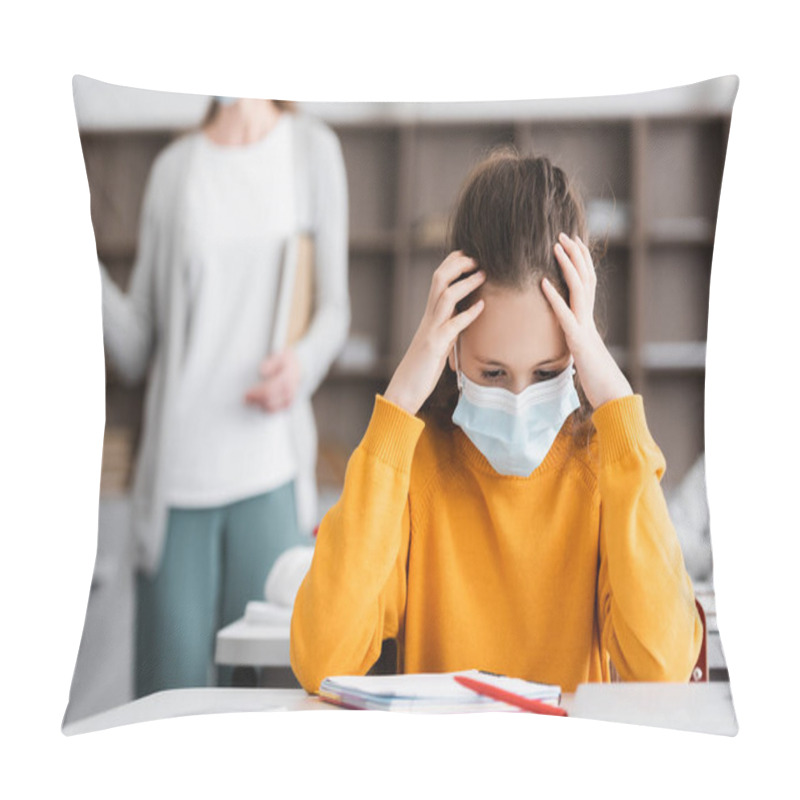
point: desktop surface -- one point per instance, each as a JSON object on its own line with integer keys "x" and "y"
{"x": 700, "y": 707}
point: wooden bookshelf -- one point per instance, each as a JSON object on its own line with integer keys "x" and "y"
{"x": 651, "y": 184}
{"x": 652, "y": 187}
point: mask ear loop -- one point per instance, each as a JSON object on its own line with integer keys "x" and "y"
{"x": 458, "y": 369}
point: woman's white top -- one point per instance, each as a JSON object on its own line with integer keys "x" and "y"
{"x": 240, "y": 214}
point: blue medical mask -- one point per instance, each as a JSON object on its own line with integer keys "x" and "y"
{"x": 226, "y": 101}
{"x": 515, "y": 431}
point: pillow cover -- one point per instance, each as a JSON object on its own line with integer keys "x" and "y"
{"x": 649, "y": 167}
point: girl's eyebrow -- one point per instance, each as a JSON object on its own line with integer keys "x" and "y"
{"x": 490, "y": 362}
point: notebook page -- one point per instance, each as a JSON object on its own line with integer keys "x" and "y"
{"x": 425, "y": 686}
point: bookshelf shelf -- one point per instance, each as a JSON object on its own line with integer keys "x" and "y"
{"x": 378, "y": 242}
{"x": 674, "y": 356}
{"x": 382, "y": 370}
{"x": 687, "y": 230}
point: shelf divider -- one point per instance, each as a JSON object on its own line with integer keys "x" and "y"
{"x": 636, "y": 295}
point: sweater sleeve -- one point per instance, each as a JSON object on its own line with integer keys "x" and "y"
{"x": 649, "y": 624}
{"x": 129, "y": 317}
{"x": 331, "y": 320}
{"x": 353, "y": 596}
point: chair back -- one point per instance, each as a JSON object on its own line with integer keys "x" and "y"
{"x": 700, "y": 671}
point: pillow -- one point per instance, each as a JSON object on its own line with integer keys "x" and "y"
{"x": 376, "y": 190}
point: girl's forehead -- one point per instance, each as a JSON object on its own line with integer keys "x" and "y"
{"x": 515, "y": 326}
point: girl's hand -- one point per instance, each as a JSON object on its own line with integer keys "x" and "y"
{"x": 418, "y": 372}
{"x": 280, "y": 377}
{"x": 601, "y": 378}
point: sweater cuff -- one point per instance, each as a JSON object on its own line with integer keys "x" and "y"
{"x": 621, "y": 427}
{"x": 392, "y": 434}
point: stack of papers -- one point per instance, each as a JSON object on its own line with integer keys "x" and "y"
{"x": 429, "y": 692}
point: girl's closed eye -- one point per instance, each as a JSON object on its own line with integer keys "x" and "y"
{"x": 546, "y": 374}
{"x": 492, "y": 374}
{"x": 539, "y": 374}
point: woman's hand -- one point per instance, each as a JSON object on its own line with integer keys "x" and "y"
{"x": 601, "y": 378}
{"x": 418, "y": 372}
{"x": 280, "y": 377}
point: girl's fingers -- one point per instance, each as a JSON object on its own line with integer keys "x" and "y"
{"x": 454, "y": 293}
{"x": 459, "y": 322}
{"x": 573, "y": 279}
{"x": 562, "y": 311}
{"x": 591, "y": 271}
{"x": 454, "y": 265}
{"x": 575, "y": 254}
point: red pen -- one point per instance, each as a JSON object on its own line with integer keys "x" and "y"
{"x": 536, "y": 706}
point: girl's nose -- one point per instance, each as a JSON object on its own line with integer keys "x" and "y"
{"x": 520, "y": 385}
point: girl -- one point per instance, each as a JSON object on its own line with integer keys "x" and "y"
{"x": 504, "y": 512}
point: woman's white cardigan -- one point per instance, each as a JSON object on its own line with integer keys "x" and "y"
{"x": 143, "y": 329}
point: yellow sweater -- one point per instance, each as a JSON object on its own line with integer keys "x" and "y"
{"x": 542, "y": 577}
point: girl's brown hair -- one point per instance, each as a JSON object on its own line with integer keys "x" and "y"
{"x": 508, "y": 216}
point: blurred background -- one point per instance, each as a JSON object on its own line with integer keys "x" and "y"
{"x": 650, "y": 167}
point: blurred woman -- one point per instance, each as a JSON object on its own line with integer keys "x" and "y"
{"x": 224, "y": 476}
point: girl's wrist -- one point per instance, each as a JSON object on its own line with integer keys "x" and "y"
{"x": 393, "y": 395}
{"x": 612, "y": 395}
{"x": 609, "y": 382}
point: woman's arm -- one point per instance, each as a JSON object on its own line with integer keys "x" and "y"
{"x": 128, "y": 318}
{"x": 353, "y": 596}
{"x": 646, "y": 611}
{"x": 331, "y": 321}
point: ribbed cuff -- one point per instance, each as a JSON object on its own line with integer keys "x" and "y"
{"x": 621, "y": 427}
{"x": 392, "y": 434}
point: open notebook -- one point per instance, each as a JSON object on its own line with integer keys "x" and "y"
{"x": 429, "y": 692}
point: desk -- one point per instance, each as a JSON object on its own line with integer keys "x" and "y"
{"x": 258, "y": 653}
{"x": 704, "y": 707}
{"x": 699, "y": 707}
{"x": 190, "y": 702}
{"x": 245, "y": 644}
